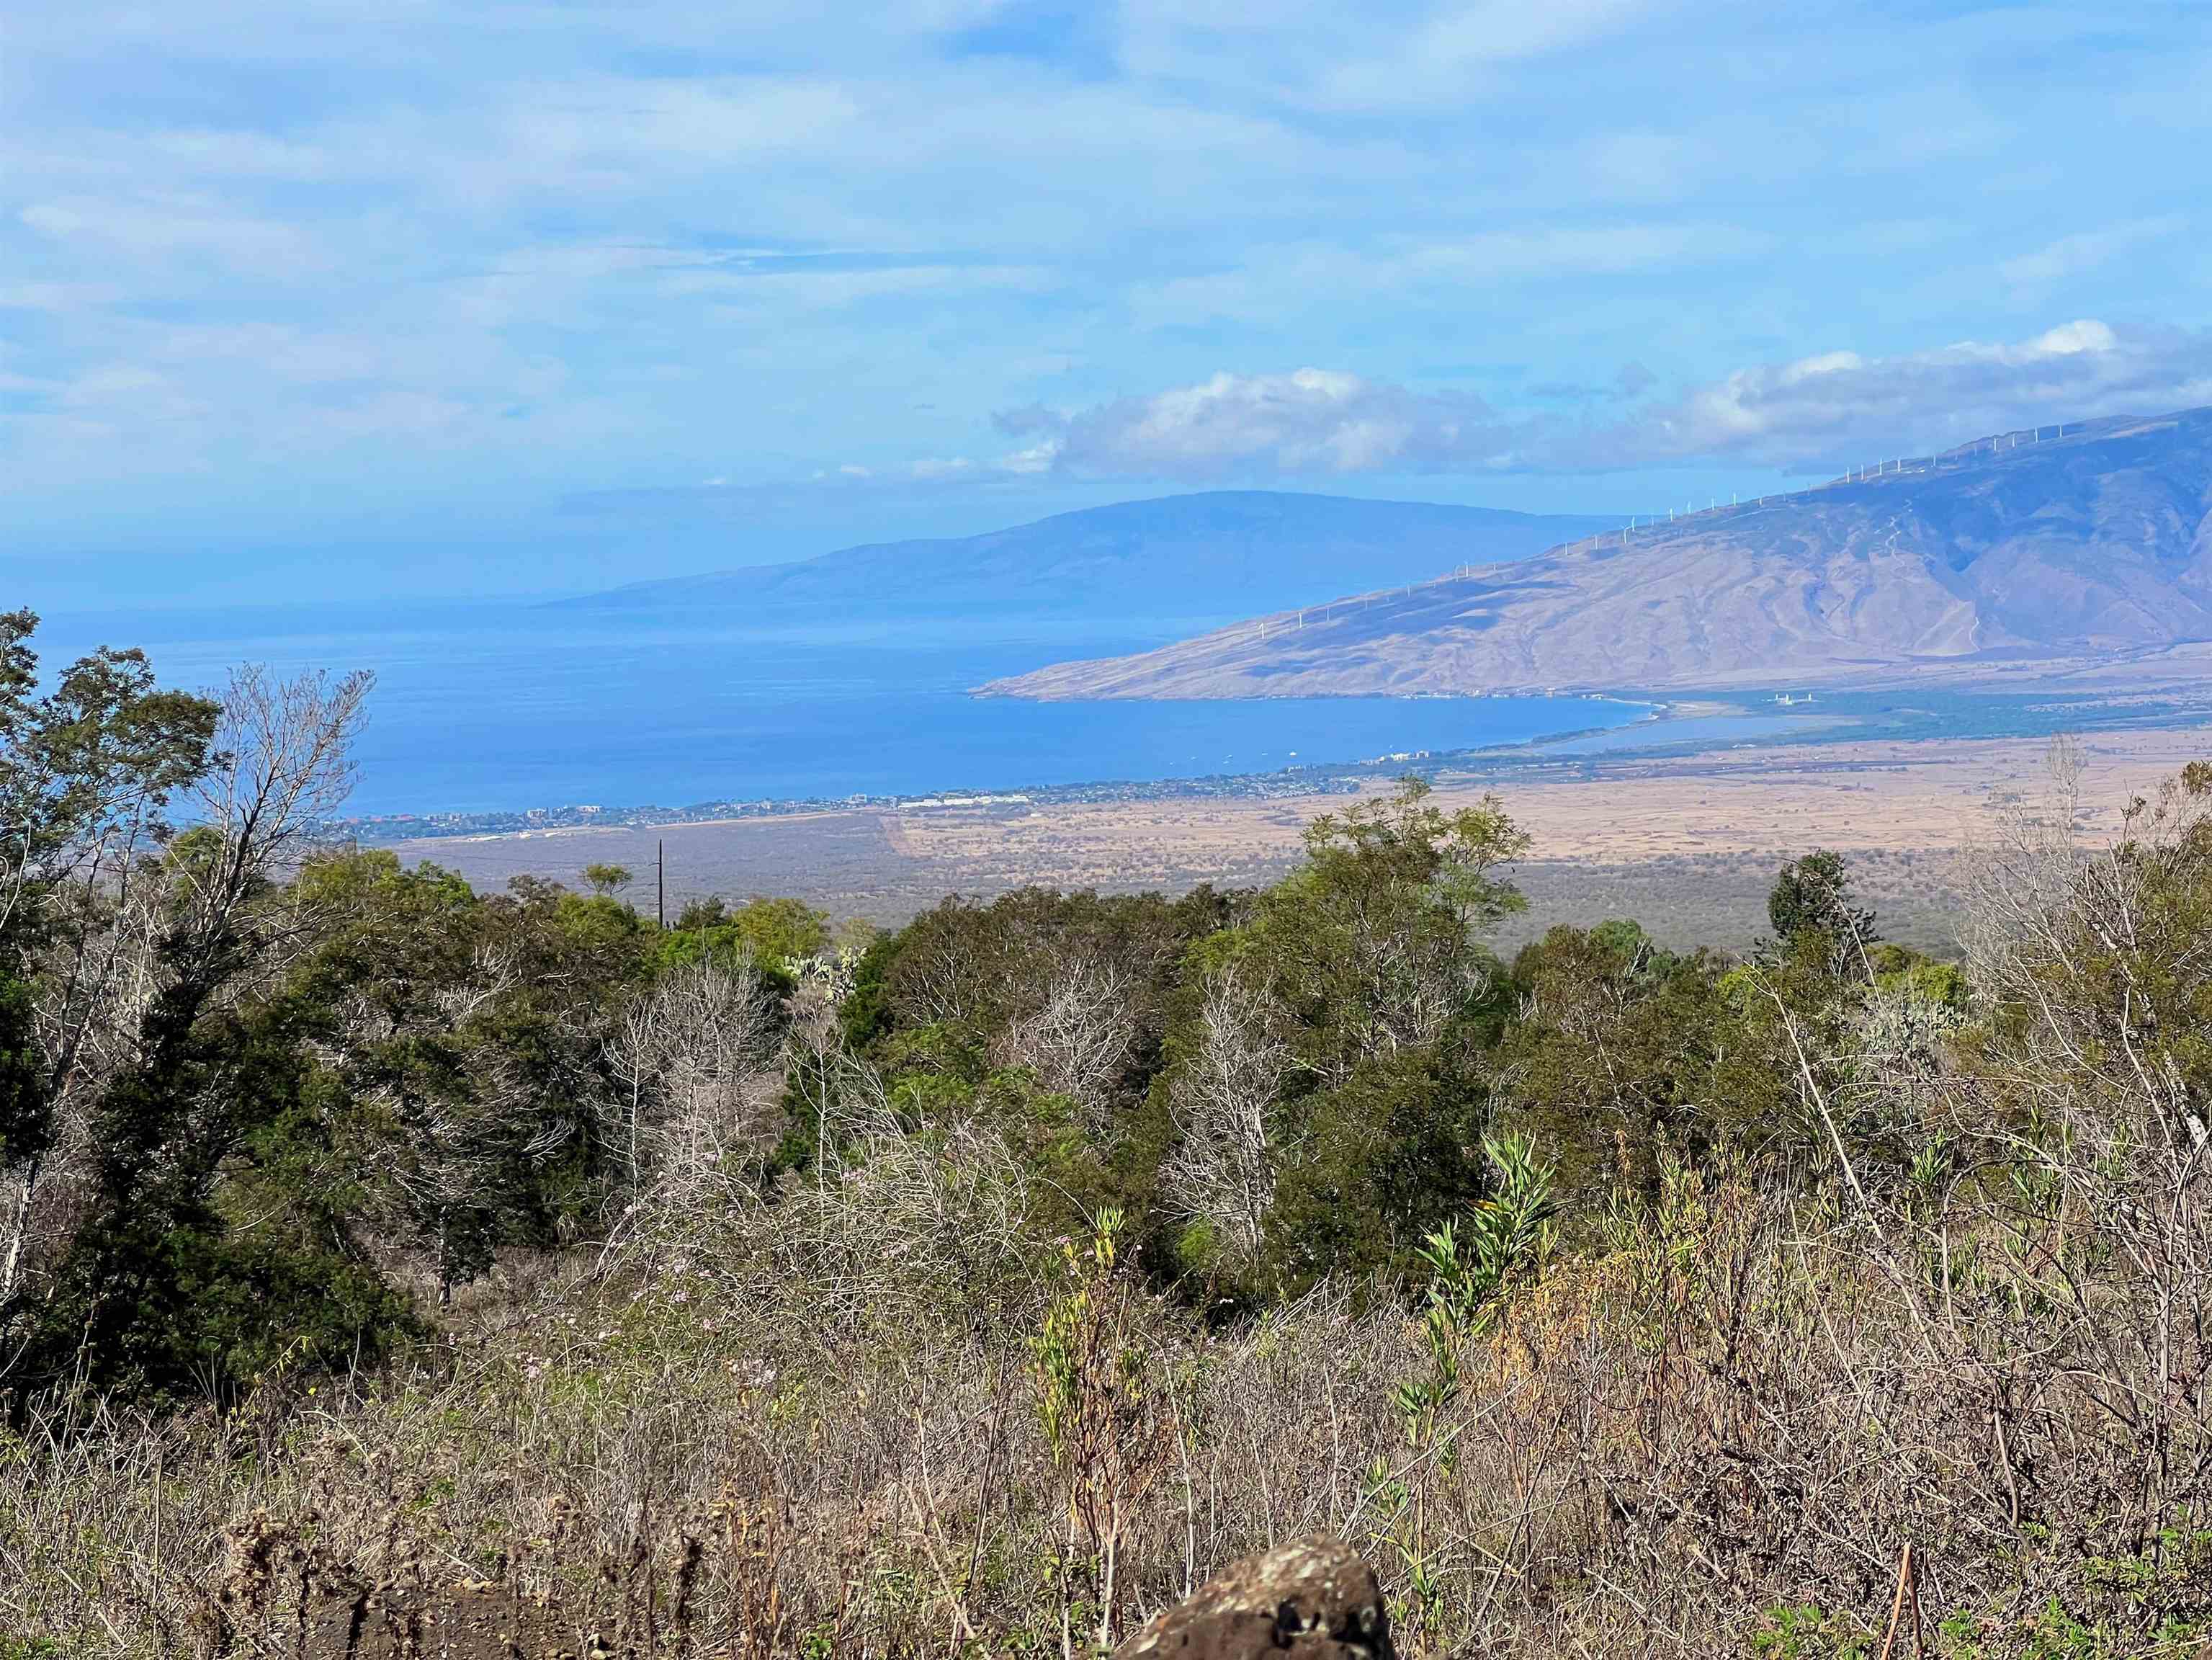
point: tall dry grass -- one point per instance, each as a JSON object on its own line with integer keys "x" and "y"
{"x": 1718, "y": 1432}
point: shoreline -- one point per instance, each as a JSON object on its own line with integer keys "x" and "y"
{"x": 1691, "y": 837}
{"x": 1337, "y": 777}
{"x": 1675, "y": 727}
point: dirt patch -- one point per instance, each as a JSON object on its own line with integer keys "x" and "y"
{"x": 1686, "y": 843}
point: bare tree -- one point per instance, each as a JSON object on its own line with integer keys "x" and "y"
{"x": 1078, "y": 1041}
{"x": 1221, "y": 1174}
{"x": 2022, "y": 866}
{"x": 844, "y": 1096}
{"x": 159, "y": 942}
{"x": 699, "y": 1057}
{"x": 283, "y": 764}
{"x": 945, "y": 978}
{"x": 2094, "y": 1104}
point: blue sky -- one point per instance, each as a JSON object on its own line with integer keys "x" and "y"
{"x": 316, "y": 299}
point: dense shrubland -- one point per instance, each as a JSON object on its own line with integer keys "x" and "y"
{"x": 754, "y": 1287}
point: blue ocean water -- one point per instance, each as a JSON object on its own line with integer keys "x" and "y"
{"x": 488, "y": 707}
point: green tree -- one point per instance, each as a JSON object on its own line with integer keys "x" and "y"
{"x": 607, "y": 880}
{"x": 456, "y": 1092}
{"x": 1373, "y": 943}
{"x": 1370, "y": 957}
{"x": 1812, "y": 898}
{"x": 150, "y": 1259}
{"x": 777, "y": 934}
{"x": 87, "y": 774}
{"x": 1610, "y": 1059}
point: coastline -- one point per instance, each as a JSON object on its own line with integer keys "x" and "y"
{"x": 1684, "y": 837}
{"x": 1339, "y": 777}
{"x": 1676, "y": 726}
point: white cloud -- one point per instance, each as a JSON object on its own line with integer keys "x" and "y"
{"x": 215, "y": 153}
{"x": 1461, "y": 44}
{"x": 591, "y": 245}
{"x": 1809, "y": 412}
{"x": 141, "y": 228}
{"x": 1543, "y": 251}
{"x": 1339, "y": 55}
{"x": 1299, "y": 289}
{"x": 1838, "y": 406}
{"x": 1309, "y": 421}
{"x": 2076, "y": 256}
{"x": 59, "y": 297}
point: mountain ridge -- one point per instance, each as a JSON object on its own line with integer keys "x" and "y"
{"x": 2095, "y": 542}
{"x": 1217, "y": 552}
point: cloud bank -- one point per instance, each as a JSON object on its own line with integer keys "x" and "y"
{"x": 1309, "y": 421}
{"x": 1825, "y": 410}
{"x": 1813, "y": 413}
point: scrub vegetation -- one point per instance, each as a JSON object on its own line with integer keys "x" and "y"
{"x": 758, "y": 1286}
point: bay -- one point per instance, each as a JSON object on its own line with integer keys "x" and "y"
{"x": 503, "y": 708}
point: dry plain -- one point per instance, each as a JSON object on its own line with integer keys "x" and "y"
{"x": 1686, "y": 843}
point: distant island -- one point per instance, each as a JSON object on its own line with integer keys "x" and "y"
{"x": 1214, "y": 553}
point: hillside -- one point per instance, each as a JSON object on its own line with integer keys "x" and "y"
{"x": 1219, "y": 553}
{"x": 2013, "y": 549}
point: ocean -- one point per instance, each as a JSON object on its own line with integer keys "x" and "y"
{"x": 497, "y": 708}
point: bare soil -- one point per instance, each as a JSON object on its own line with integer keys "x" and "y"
{"x": 1686, "y": 844}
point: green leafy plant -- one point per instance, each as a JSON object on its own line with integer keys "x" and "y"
{"x": 1507, "y": 1237}
{"x": 1102, "y": 1410}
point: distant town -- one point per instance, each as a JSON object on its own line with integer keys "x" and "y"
{"x": 1345, "y": 779}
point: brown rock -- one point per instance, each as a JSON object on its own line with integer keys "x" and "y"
{"x": 459, "y": 1622}
{"x": 1314, "y": 1599}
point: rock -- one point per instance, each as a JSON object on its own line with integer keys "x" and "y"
{"x": 1314, "y": 1600}
{"x": 458, "y": 1622}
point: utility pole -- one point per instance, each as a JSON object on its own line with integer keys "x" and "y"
{"x": 661, "y": 882}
